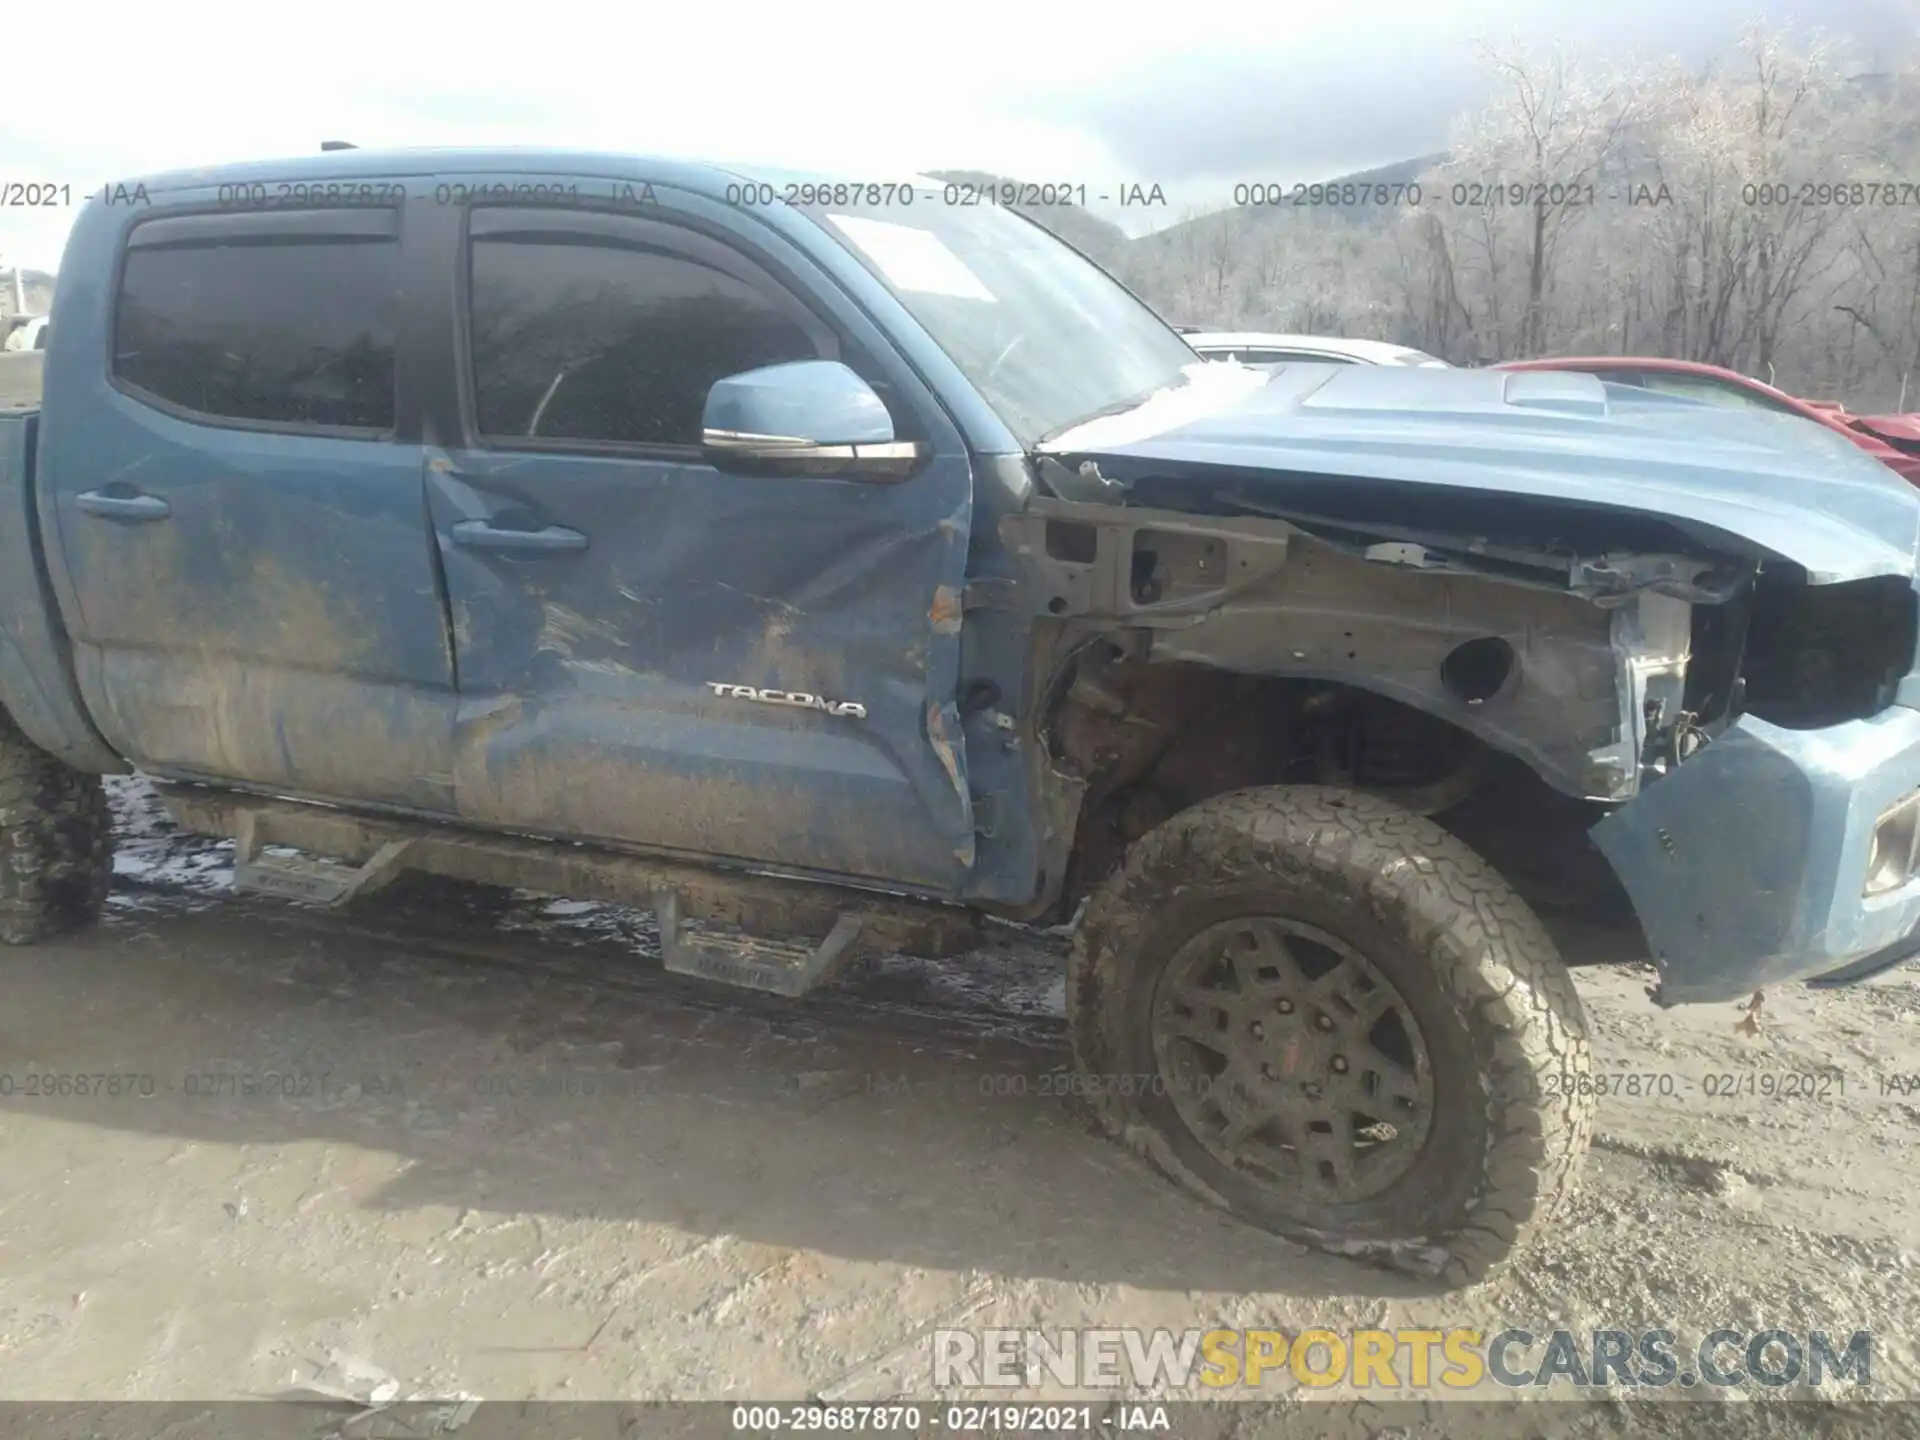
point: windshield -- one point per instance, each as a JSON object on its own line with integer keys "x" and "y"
{"x": 1045, "y": 335}
{"x": 1711, "y": 391}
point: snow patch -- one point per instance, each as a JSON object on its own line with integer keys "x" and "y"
{"x": 150, "y": 850}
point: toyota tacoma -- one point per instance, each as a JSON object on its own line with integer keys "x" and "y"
{"x": 828, "y": 567}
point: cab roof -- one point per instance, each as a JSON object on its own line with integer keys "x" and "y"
{"x": 701, "y": 177}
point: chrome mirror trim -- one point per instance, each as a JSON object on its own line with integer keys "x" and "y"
{"x": 887, "y": 460}
{"x": 746, "y": 442}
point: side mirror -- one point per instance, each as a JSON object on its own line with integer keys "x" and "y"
{"x": 807, "y": 418}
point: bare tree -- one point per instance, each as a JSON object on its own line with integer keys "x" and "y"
{"x": 1728, "y": 214}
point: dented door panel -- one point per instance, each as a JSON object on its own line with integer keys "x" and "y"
{"x": 654, "y": 682}
{"x": 591, "y": 684}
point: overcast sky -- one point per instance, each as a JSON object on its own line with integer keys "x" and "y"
{"x": 1210, "y": 93}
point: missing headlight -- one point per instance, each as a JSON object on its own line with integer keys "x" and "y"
{"x": 1817, "y": 655}
{"x": 1892, "y": 856}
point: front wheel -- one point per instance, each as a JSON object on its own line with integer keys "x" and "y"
{"x": 1337, "y": 1021}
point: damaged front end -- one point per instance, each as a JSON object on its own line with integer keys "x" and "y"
{"x": 1746, "y": 724}
{"x": 1787, "y": 848}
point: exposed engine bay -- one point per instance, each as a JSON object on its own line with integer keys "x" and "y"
{"x": 1196, "y": 655}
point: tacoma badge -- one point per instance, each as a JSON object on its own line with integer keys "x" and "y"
{"x": 796, "y": 698}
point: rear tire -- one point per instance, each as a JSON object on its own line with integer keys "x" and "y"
{"x": 1334, "y": 1019}
{"x": 56, "y": 842}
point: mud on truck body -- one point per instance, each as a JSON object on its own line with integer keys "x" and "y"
{"x": 829, "y": 567}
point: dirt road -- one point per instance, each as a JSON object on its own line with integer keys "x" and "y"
{"x": 483, "y": 1145}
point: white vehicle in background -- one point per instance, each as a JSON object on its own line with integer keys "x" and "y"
{"x": 1265, "y": 351}
{"x": 28, "y": 332}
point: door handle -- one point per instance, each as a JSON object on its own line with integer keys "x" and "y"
{"x": 123, "y": 507}
{"x": 554, "y": 539}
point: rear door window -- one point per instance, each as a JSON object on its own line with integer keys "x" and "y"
{"x": 290, "y": 325}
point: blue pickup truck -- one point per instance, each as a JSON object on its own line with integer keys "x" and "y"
{"x": 830, "y": 565}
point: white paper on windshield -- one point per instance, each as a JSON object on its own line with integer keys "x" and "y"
{"x": 916, "y": 261}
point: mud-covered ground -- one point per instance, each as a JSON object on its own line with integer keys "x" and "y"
{"x": 461, "y": 1143}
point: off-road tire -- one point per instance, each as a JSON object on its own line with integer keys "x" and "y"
{"x": 56, "y": 842}
{"x": 1502, "y": 1023}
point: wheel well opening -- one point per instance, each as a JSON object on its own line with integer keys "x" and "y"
{"x": 1152, "y": 739}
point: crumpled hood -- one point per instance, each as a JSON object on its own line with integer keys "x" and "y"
{"x": 1780, "y": 482}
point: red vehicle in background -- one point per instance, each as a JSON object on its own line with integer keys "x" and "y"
{"x": 1894, "y": 440}
{"x": 1901, "y": 432}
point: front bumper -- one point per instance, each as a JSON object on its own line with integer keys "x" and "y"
{"x": 1747, "y": 864}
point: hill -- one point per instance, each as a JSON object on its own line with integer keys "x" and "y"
{"x": 1370, "y": 187}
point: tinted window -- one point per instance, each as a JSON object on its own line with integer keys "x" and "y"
{"x": 579, "y": 340}
{"x": 296, "y": 331}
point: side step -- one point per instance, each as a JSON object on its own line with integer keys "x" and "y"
{"x": 714, "y": 925}
{"x": 315, "y": 881}
{"x": 731, "y": 956}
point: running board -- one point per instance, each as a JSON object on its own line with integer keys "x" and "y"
{"x": 307, "y": 878}
{"x": 731, "y": 956}
{"x": 716, "y": 915}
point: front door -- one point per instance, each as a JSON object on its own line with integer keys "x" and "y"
{"x": 632, "y": 626}
{"x": 237, "y": 526}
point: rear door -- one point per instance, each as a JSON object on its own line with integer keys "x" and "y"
{"x": 618, "y": 603}
{"x": 242, "y": 552}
